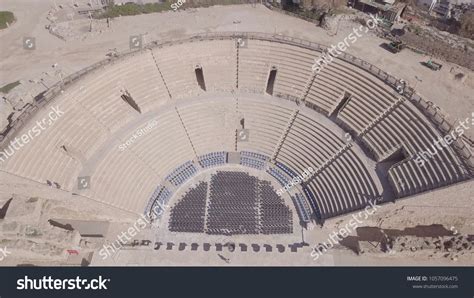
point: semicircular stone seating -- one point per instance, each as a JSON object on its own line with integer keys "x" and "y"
{"x": 197, "y": 120}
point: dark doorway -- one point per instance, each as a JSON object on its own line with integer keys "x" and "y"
{"x": 200, "y": 77}
{"x": 271, "y": 80}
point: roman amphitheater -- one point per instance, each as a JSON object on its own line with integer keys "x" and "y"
{"x": 194, "y": 135}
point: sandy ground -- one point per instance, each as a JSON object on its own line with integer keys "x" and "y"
{"x": 14, "y": 185}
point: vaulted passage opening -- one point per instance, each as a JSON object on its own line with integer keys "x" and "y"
{"x": 342, "y": 103}
{"x": 271, "y": 80}
{"x": 200, "y": 77}
{"x": 130, "y": 101}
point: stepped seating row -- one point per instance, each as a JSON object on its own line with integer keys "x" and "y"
{"x": 177, "y": 63}
{"x": 60, "y": 160}
{"x": 158, "y": 201}
{"x": 293, "y": 65}
{"x": 165, "y": 146}
{"x": 143, "y": 81}
{"x": 266, "y": 123}
{"x": 252, "y": 163}
{"x": 279, "y": 176}
{"x": 42, "y": 158}
{"x": 119, "y": 176}
{"x": 218, "y": 61}
{"x": 210, "y": 125}
{"x": 369, "y": 97}
{"x": 100, "y": 92}
{"x": 302, "y": 207}
{"x": 323, "y": 98}
{"x": 182, "y": 173}
{"x": 300, "y": 63}
{"x": 409, "y": 178}
{"x": 253, "y": 160}
{"x": 95, "y": 113}
{"x": 254, "y": 155}
{"x": 212, "y": 159}
{"x": 87, "y": 121}
{"x": 63, "y": 143}
{"x": 406, "y": 127}
{"x": 286, "y": 169}
{"x": 338, "y": 77}
{"x": 308, "y": 144}
{"x": 101, "y": 97}
{"x": 312, "y": 201}
{"x": 343, "y": 186}
{"x": 253, "y": 71}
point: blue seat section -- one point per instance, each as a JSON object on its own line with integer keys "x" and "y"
{"x": 312, "y": 200}
{"x": 279, "y": 176}
{"x": 286, "y": 169}
{"x": 182, "y": 173}
{"x": 158, "y": 200}
{"x": 254, "y": 155}
{"x": 252, "y": 163}
{"x": 213, "y": 159}
{"x": 302, "y": 207}
{"x": 253, "y": 160}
